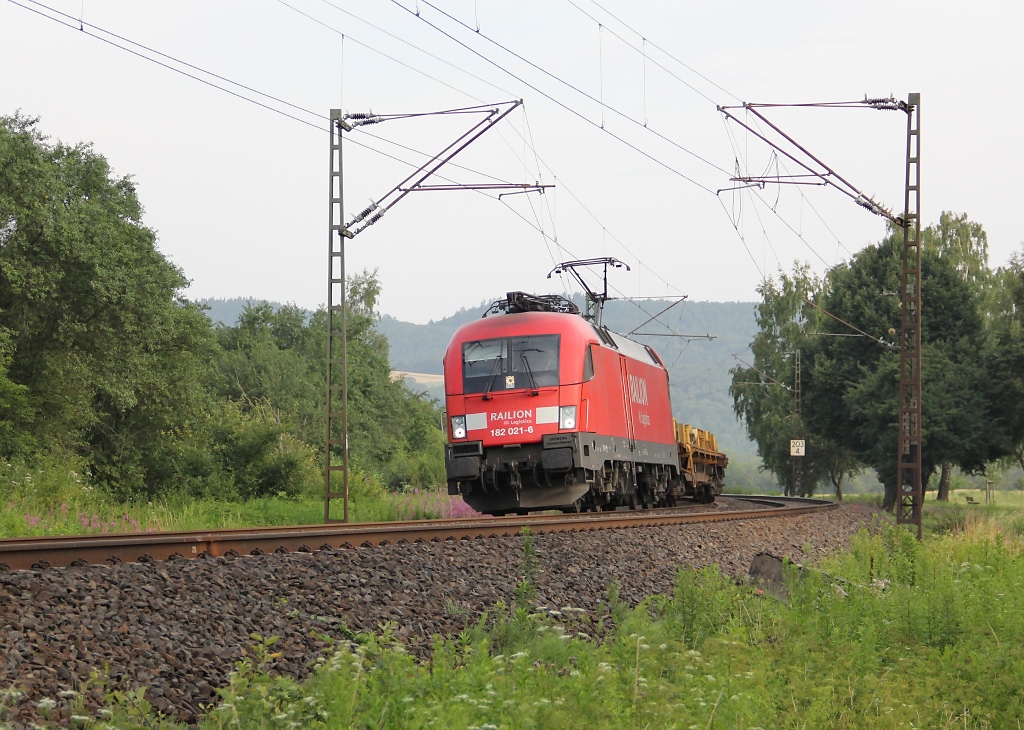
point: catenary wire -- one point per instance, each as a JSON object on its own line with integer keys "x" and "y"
{"x": 726, "y": 91}
{"x": 371, "y": 48}
{"x": 757, "y": 198}
{"x": 243, "y": 86}
{"x": 805, "y": 199}
{"x": 167, "y": 65}
{"x": 644, "y": 40}
{"x": 294, "y": 106}
{"x": 562, "y": 81}
{"x": 81, "y": 27}
{"x": 555, "y": 101}
{"x": 307, "y": 123}
{"x": 421, "y": 50}
{"x": 655, "y": 45}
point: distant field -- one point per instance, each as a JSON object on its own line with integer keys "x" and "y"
{"x": 1000, "y": 498}
{"x": 418, "y": 378}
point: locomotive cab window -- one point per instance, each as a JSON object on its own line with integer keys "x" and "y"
{"x": 588, "y": 363}
{"x": 508, "y": 363}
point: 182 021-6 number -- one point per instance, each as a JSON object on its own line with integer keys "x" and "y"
{"x": 511, "y": 431}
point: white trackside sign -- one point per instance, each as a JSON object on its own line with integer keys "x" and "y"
{"x": 796, "y": 447}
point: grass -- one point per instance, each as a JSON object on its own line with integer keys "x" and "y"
{"x": 892, "y": 634}
{"x": 19, "y": 519}
{"x": 54, "y": 499}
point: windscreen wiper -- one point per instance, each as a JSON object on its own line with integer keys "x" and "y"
{"x": 494, "y": 373}
{"x": 529, "y": 372}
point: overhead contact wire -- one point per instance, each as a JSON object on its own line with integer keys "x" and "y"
{"x": 172, "y": 68}
{"x": 559, "y": 80}
{"x": 643, "y": 52}
{"x": 555, "y": 101}
{"x": 681, "y": 63}
{"x": 421, "y": 50}
{"x": 371, "y": 48}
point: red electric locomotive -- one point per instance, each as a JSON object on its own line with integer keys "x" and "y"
{"x": 547, "y": 410}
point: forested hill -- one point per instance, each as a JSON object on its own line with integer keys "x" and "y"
{"x": 228, "y": 311}
{"x": 699, "y": 368}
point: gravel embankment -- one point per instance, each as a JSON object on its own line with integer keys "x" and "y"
{"x": 179, "y": 626}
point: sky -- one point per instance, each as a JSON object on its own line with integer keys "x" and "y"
{"x": 620, "y": 115}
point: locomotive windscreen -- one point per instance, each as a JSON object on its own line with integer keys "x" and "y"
{"x": 506, "y": 363}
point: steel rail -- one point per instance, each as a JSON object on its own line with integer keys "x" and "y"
{"x": 36, "y": 553}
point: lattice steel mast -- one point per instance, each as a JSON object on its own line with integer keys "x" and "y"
{"x": 337, "y": 342}
{"x": 910, "y": 494}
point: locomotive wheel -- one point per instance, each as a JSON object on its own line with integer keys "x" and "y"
{"x": 575, "y": 508}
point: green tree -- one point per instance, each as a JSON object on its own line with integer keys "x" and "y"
{"x": 1004, "y": 382}
{"x": 763, "y": 392}
{"x": 274, "y": 363}
{"x": 270, "y": 362}
{"x": 102, "y": 354}
{"x": 851, "y": 390}
{"x": 392, "y": 431}
{"x": 963, "y": 243}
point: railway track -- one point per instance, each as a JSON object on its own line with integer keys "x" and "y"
{"x": 77, "y": 550}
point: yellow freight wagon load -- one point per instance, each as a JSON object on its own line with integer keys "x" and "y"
{"x": 701, "y": 464}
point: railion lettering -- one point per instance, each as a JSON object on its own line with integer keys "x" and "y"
{"x": 508, "y": 415}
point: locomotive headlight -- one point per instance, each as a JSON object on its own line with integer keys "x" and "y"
{"x": 459, "y": 427}
{"x": 567, "y": 417}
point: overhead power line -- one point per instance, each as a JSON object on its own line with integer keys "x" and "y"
{"x": 81, "y": 26}
{"x": 123, "y": 43}
{"x": 655, "y": 45}
{"x": 557, "y": 102}
{"x": 425, "y": 52}
{"x": 643, "y": 53}
{"x": 526, "y": 142}
{"x": 168, "y": 62}
{"x": 419, "y": 71}
{"x": 73, "y": 23}
{"x": 569, "y": 85}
